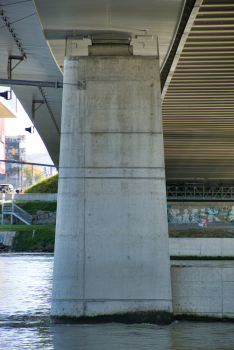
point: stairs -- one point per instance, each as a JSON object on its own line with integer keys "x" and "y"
{"x": 9, "y": 238}
{"x": 10, "y": 208}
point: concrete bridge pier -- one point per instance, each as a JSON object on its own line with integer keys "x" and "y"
{"x": 112, "y": 247}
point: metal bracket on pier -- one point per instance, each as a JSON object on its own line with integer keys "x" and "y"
{"x": 35, "y": 109}
{"x": 81, "y": 85}
{"x": 9, "y": 65}
{"x": 50, "y": 84}
{"x": 31, "y": 128}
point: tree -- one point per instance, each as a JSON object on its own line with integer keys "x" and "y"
{"x": 30, "y": 172}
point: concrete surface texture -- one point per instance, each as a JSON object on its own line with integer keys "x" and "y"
{"x": 33, "y": 197}
{"x": 202, "y": 247}
{"x": 203, "y": 288}
{"x": 111, "y": 250}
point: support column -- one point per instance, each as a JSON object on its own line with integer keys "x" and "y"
{"x": 112, "y": 248}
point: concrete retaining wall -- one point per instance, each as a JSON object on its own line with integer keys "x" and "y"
{"x": 202, "y": 247}
{"x": 203, "y": 287}
{"x": 41, "y": 217}
{"x": 33, "y": 197}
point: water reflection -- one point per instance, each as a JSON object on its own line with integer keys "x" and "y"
{"x": 25, "y": 293}
{"x": 25, "y": 284}
{"x": 179, "y": 336}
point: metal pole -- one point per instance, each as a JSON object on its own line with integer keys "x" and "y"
{"x": 51, "y": 84}
{"x": 18, "y": 179}
{"x": 21, "y": 175}
{"x": 21, "y": 162}
{"x": 33, "y": 177}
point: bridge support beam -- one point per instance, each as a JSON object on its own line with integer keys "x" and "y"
{"x": 111, "y": 250}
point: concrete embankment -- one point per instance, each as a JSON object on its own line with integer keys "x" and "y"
{"x": 202, "y": 275}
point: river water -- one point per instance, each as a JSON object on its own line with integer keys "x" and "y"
{"x": 25, "y": 294}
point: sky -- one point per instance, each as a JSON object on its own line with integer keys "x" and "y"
{"x": 16, "y": 126}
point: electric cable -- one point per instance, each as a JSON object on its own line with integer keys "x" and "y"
{"x": 13, "y": 3}
{"x": 8, "y": 24}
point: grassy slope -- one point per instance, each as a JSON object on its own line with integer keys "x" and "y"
{"x": 33, "y": 238}
{"x": 49, "y": 185}
{"x": 32, "y": 206}
{"x": 44, "y": 236}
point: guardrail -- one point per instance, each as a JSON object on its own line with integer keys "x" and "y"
{"x": 213, "y": 193}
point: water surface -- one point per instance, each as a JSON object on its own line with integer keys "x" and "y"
{"x": 25, "y": 295}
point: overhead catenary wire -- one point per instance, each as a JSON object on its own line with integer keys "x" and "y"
{"x": 28, "y": 163}
{"x": 9, "y": 24}
{"x": 14, "y": 3}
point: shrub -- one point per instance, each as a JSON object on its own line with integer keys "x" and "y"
{"x": 49, "y": 185}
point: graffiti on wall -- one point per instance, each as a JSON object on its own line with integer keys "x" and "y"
{"x": 202, "y": 216}
{"x": 230, "y": 214}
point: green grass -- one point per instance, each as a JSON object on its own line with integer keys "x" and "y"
{"x": 35, "y": 240}
{"x": 31, "y": 238}
{"x": 49, "y": 185}
{"x": 31, "y": 206}
{"x": 25, "y": 228}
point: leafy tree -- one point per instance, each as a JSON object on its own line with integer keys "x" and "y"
{"x": 28, "y": 171}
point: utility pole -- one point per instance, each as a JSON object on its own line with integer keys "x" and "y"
{"x": 33, "y": 177}
{"x": 21, "y": 177}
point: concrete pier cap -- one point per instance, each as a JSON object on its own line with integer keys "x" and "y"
{"x": 112, "y": 249}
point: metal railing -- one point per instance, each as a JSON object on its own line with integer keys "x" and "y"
{"x": 11, "y": 208}
{"x": 202, "y": 192}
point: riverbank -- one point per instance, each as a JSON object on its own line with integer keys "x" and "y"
{"x": 41, "y": 238}
{"x": 33, "y": 238}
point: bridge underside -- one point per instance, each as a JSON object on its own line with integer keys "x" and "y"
{"x": 197, "y": 94}
{"x": 198, "y": 99}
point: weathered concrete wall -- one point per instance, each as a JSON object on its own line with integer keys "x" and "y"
{"x": 203, "y": 288}
{"x": 33, "y": 196}
{"x": 201, "y": 247}
{"x": 200, "y": 213}
{"x": 111, "y": 250}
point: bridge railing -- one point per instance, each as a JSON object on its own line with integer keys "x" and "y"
{"x": 200, "y": 193}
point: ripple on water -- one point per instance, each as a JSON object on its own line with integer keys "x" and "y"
{"x": 25, "y": 294}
